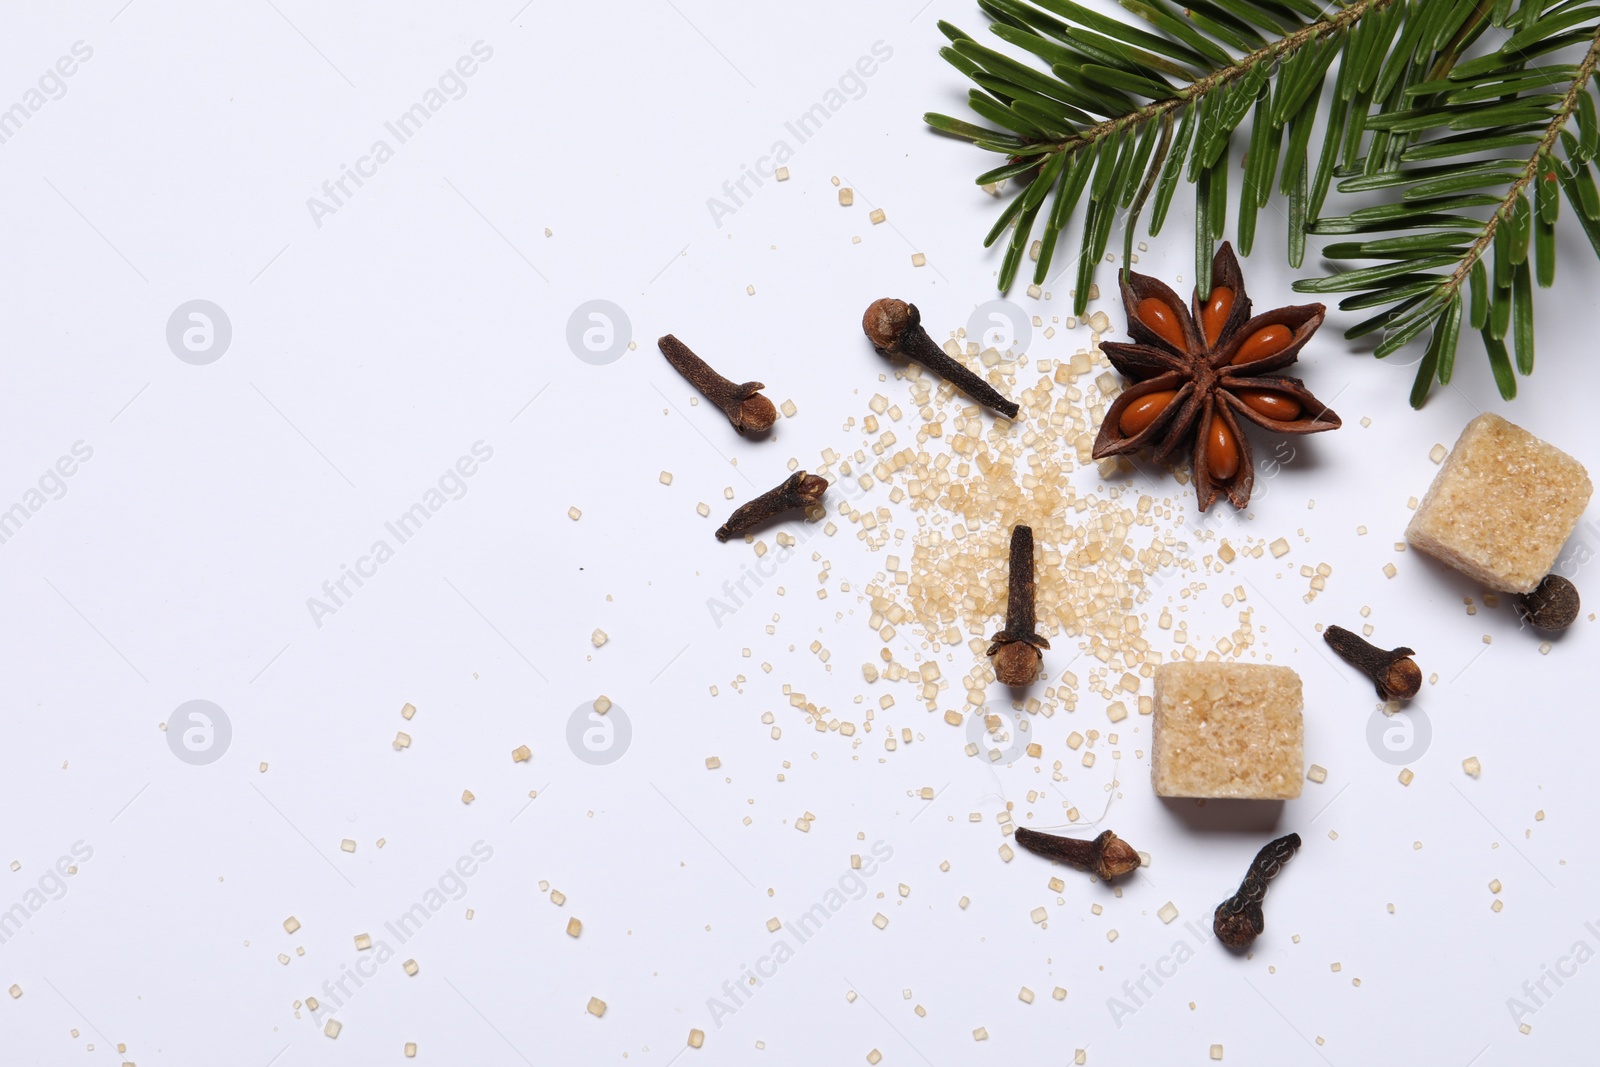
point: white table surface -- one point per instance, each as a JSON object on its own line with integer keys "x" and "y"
{"x": 375, "y": 344}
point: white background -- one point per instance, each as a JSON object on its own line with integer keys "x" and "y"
{"x": 429, "y": 313}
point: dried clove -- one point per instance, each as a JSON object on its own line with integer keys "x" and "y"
{"x": 1394, "y": 673}
{"x": 1108, "y": 855}
{"x": 799, "y": 490}
{"x": 1015, "y": 650}
{"x": 1553, "y": 605}
{"x": 895, "y": 329}
{"x": 1238, "y": 920}
{"x": 746, "y": 408}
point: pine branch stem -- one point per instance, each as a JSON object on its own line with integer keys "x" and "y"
{"x": 1546, "y": 143}
{"x": 1272, "y": 52}
{"x": 1464, "y": 37}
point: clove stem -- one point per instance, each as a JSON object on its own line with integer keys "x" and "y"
{"x": 1108, "y": 856}
{"x": 1020, "y": 617}
{"x": 742, "y": 403}
{"x": 1015, "y": 650}
{"x": 895, "y": 329}
{"x": 1394, "y": 673}
{"x": 1238, "y": 921}
{"x": 799, "y": 490}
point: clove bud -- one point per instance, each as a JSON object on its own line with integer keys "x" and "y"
{"x": 895, "y": 329}
{"x": 1107, "y": 855}
{"x": 1393, "y": 672}
{"x": 746, "y": 408}
{"x": 1015, "y": 650}
{"x": 1238, "y": 921}
{"x": 799, "y": 490}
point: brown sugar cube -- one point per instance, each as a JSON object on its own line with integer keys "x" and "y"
{"x": 1501, "y": 506}
{"x": 1227, "y": 730}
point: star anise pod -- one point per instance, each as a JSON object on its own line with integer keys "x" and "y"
{"x": 1196, "y": 374}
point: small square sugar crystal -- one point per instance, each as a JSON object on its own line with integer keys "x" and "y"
{"x": 1502, "y": 506}
{"x": 1227, "y": 730}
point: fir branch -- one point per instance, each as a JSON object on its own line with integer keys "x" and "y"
{"x": 1119, "y": 87}
{"x": 1569, "y": 103}
{"x": 1270, "y": 53}
{"x": 1457, "y": 145}
{"x": 1421, "y": 302}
